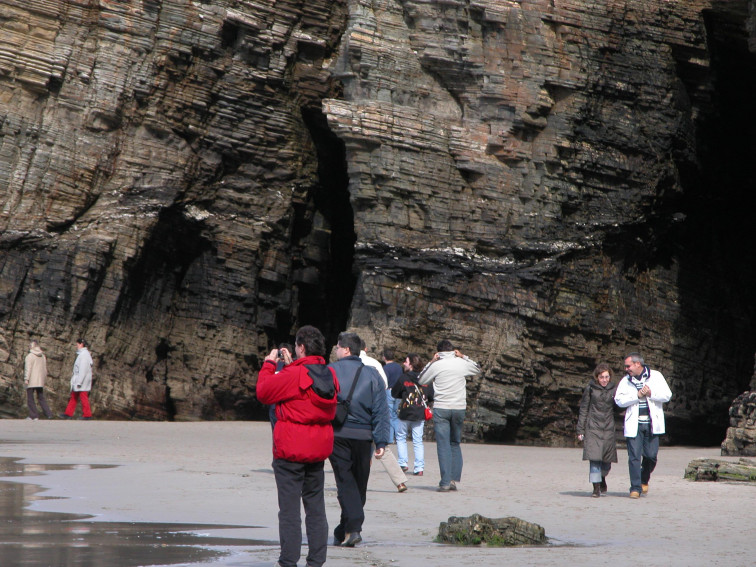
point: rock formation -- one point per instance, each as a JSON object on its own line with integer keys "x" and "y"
{"x": 548, "y": 183}
{"x": 497, "y": 532}
{"x": 741, "y": 435}
{"x": 719, "y": 470}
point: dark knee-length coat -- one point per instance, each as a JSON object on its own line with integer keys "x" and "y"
{"x": 596, "y": 422}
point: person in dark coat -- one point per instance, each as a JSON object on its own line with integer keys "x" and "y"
{"x": 413, "y": 399}
{"x": 595, "y": 427}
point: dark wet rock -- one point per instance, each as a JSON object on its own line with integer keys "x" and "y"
{"x": 743, "y": 470}
{"x": 496, "y": 532}
{"x": 741, "y": 435}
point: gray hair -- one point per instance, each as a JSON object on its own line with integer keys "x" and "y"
{"x": 635, "y": 357}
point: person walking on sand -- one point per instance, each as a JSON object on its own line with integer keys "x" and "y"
{"x": 413, "y": 400}
{"x": 448, "y": 370}
{"x": 595, "y": 427}
{"x": 81, "y": 382}
{"x": 367, "y": 422}
{"x": 303, "y": 393}
{"x": 642, "y": 392}
{"x": 35, "y": 374}
{"x": 393, "y": 370}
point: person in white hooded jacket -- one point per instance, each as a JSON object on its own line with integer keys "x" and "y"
{"x": 81, "y": 382}
{"x": 642, "y": 392}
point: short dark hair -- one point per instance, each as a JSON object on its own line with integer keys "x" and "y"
{"x": 416, "y": 362}
{"x": 444, "y": 345}
{"x": 388, "y": 353}
{"x": 82, "y": 342}
{"x": 312, "y": 339}
{"x": 352, "y": 341}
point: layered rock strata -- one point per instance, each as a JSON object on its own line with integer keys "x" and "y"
{"x": 549, "y": 184}
{"x": 741, "y": 435}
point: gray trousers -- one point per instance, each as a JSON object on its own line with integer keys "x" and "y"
{"x": 33, "y": 413}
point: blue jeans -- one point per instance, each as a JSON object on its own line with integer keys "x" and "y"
{"x": 416, "y": 428}
{"x": 641, "y": 456}
{"x": 393, "y": 404}
{"x": 447, "y": 425}
{"x": 598, "y": 470}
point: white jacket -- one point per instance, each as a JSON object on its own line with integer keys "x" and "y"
{"x": 81, "y": 379}
{"x": 370, "y": 361}
{"x": 627, "y": 397}
{"x": 448, "y": 376}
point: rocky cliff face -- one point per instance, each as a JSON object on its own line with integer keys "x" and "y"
{"x": 547, "y": 183}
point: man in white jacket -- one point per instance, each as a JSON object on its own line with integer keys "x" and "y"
{"x": 642, "y": 392}
{"x": 448, "y": 371}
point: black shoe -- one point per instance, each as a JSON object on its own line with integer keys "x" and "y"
{"x": 418, "y": 473}
{"x": 352, "y": 539}
{"x": 603, "y": 484}
{"x": 338, "y": 538}
{"x": 64, "y": 416}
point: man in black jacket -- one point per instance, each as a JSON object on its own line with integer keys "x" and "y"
{"x": 366, "y": 423}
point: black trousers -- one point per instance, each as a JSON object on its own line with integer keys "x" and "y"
{"x": 301, "y": 482}
{"x": 350, "y": 461}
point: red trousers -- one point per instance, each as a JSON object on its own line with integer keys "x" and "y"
{"x": 86, "y": 411}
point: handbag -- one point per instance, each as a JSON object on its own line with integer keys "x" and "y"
{"x": 428, "y": 411}
{"x": 342, "y": 406}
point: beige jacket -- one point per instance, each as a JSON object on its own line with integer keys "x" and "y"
{"x": 35, "y": 368}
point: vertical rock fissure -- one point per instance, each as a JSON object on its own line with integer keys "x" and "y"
{"x": 325, "y": 300}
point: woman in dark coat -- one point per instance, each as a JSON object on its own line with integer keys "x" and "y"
{"x": 595, "y": 427}
{"x": 414, "y": 398}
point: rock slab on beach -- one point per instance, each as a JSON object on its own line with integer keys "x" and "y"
{"x": 743, "y": 470}
{"x": 497, "y": 532}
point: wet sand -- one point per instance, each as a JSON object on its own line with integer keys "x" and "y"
{"x": 220, "y": 474}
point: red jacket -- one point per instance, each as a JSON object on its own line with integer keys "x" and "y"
{"x": 303, "y": 432}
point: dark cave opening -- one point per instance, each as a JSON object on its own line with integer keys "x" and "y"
{"x": 717, "y": 278}
{"x": 325, "y": 295}
{"x": 161, "y": 267}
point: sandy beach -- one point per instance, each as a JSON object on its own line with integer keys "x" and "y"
{"x": 220, "y": 473}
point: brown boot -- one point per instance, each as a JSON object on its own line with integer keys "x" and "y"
{"x": 603, "y": 484}
{"x": 596, "y": 490}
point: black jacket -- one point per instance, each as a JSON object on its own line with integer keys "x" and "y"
{"x": 411, "y": 407}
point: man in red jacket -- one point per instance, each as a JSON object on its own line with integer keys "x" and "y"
{"x": 304, "y": 392}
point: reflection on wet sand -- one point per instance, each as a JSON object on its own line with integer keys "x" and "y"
{"x": 30, "y": 538}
